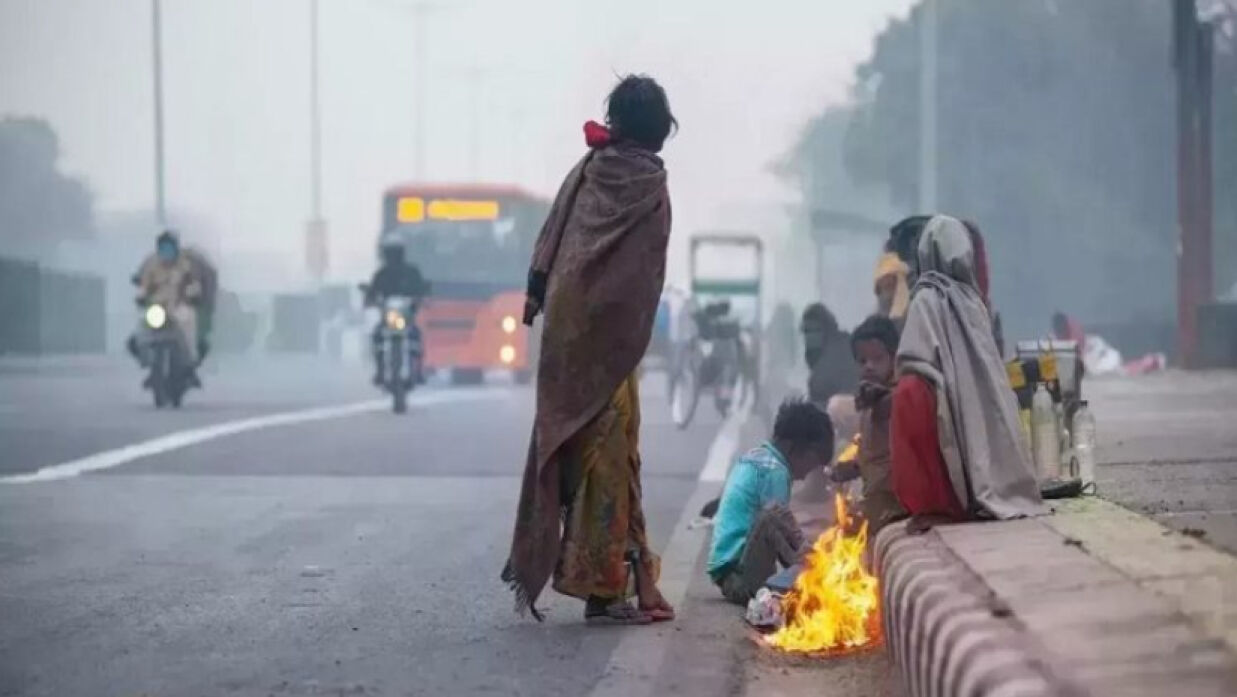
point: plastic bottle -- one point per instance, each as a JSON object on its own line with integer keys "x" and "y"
{"x": 1084, "y": 443}
{"x": 1063, "y": 440}
{"x": 1045, "y": 440}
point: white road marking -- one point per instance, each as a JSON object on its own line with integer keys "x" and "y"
{"x": 637, "y": 660}
{"x": 724, "y": 445}
{"x": 193, "y": 436}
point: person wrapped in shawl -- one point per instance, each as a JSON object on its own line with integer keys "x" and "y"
{"x": 597, "y": 272}
{"x": 955, "y": 444}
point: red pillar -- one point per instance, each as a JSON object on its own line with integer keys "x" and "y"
{"x": 1192, "y": 61}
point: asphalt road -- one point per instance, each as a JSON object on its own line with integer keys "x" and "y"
{"x": 359, "y": 554}
{"x": 353, "y": 555}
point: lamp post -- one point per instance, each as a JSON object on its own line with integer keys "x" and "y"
{"x": 156, "y": 24}
{"x": 316, "y": 256}
{"x": 927, "y": 107}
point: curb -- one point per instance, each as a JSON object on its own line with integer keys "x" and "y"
{"x": 945, "y": 630}
{"x": 1092, "y": 600}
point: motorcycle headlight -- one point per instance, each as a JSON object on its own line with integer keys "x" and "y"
{"x": 509, "y": 324}
{"x": 506, "y": 354}
{"x": 395, "y": 320}
{"x": 156, "y": 316}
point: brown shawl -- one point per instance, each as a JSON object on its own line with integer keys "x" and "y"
{"x": 603, "y": 249}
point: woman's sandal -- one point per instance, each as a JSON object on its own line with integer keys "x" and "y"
{"x": 659, "y": 611}
{"x": 618, "y": 613}
{"x": 662, "y": 612}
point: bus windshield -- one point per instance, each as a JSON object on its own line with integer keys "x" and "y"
{"x": 466, "y": 251}
{"x": 460, "y": 240}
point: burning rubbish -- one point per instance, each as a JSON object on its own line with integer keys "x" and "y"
{"x": 834, "y": 606}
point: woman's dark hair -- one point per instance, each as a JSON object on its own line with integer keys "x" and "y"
{"x": 817, "y": 317}
{"x": 904, "y": 238}
{"x": 637, "y": 110}
{"x": 879, "y": 328}
{"x": 800, "y": 423}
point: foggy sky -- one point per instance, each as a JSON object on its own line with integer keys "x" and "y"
{"x": 742, "y": 78}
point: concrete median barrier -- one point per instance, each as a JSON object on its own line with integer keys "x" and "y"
{"x": 1091, "y": 600}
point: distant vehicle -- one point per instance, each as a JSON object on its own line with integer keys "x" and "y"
{"x": 160, "y": 348}
{"x": 667, "y": 325}
{"x": 473, "y": 243}
{"x": 713, "y": 359}
{"x": 401, "y": 348}
{"x": 721, "y": 352}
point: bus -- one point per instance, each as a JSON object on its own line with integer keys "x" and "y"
{"x": 473, "y": 243}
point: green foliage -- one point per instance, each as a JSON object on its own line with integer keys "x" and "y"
{"x": 1057, "y": 134}
{"x": 39, "y": 205}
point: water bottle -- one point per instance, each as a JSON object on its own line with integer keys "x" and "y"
{"x": 1063, "y": 441}
{"x": 1045, "y": 440}
{"x": 1084, "y": 443}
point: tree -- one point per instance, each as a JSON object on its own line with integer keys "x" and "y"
{"x": 1056, "y": 133}
{"x": 39, "y": 205}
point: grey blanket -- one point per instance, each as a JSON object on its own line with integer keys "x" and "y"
{"x": 948, "y": 341}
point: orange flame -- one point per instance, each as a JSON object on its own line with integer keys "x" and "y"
{"x": 835, "y": 603}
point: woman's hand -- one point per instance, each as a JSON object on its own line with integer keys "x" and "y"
{"x": 532, "y": 308}
{"x": 534, "y": 296}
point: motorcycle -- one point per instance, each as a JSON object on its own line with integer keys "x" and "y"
{"x": 159, "y": 345}
{"x": 714, "y": 358}
{"x": 399, "y": 347}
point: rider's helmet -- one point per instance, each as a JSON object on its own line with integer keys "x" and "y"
{"x": 391, "y": 249}
{"x": 167, "y": 245}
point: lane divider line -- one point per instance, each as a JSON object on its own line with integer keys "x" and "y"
{"x": 724, "y": 445}
{"x": 183, "y": 439}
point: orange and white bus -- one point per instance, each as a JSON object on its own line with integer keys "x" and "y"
{"x": 473, "y": 244}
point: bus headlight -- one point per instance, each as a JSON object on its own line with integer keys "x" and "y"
{"x": 509, "y": 324}
{"x": 395, "y": 320}
{"x": 506, "y": 354}
{"x": 156, "y": 316}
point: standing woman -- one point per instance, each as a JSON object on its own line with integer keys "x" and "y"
{"x": 597, "y": 272}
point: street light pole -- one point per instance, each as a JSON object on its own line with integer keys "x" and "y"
{"x": 315, "y": 117}
{"x": 420, "y": 9}
{"x": 476, "y": 85}
{"x": 418, "y": 140}
{"x": 156, "y": 21}
{"x": 927, "y": 107}
{"x": 316, "y": 254}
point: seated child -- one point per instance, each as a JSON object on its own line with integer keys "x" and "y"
{"x": 754, "y": 529}
{"x": 874, "y": 344}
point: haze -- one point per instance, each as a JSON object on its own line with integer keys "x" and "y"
{"x": 743, "y": 79}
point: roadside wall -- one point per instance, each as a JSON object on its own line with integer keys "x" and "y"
{"x": 45, "y": 311}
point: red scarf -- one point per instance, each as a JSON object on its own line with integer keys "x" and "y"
{"x": 597, "y": 136}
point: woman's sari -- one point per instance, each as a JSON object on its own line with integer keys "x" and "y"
{"x": 604, "y": 525}
{"x": 601, "y": 257}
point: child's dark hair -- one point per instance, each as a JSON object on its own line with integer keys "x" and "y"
{"x": 801, "y": 423}
{"x": 879, "y": 328}
{"x": 637, "y": 110}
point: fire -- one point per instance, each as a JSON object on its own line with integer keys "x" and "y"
{"x": 835, "y": 603}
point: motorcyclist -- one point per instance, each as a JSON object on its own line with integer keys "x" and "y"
{"x": 171, "y": 279}
{"x": 395, "y": 277}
